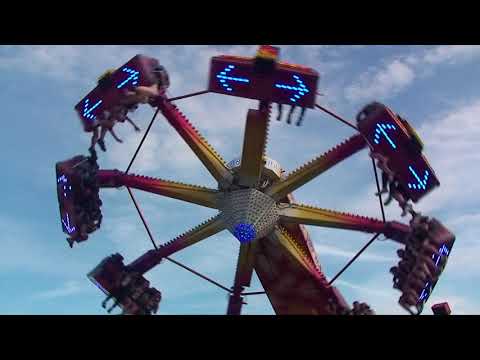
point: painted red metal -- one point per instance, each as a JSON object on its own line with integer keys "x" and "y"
{"x": 124, "y": 78}
{"x": 441, "y": 309}
{"x": 263, "y": 86}
{"x": 67, "y": 193}
{"x": 389, "y": 136}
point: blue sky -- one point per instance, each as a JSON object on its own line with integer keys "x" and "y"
{"x": 435, "y": 87}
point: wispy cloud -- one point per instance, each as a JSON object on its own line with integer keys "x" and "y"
{"x": 450, "y": 54}
{"x": 328, "y": 250}
{"x": 68, "y": 289}
{"x": 381, "y": 83}
{"x": 387, "y": 80}
{"x": 451, "y": 141}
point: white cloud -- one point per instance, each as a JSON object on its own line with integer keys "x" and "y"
{"x": 68, "y": 289}
{"x": 451, "y": 145}
{"x": 327, "y": 250}
{"x": 381, "y": 83}
{"x": 377, "y": 292}
{"x": 450, "y": 54}
{"x": 364, "y": 289}
{"x": 64, "y": 62}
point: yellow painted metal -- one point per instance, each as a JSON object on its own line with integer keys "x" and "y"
{"x": 254, "y": 143}
{"x": 245, "y": 263}
{"x": 281, "y": 237}
{"x": 193, "y": 236}
{"x": 190, "y": 193}
{"x": 199, "y": 145}
{"x": 315, "y": 167}
{"x": 309, "y": 215}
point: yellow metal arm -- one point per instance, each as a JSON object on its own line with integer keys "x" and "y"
{"x": 309, "y": 215}
{"x": 312, "y": 169}
{"x": 254, "y": 143}
{"x": 202, "y": 149}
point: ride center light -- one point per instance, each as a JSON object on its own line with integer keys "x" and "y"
{"x": 245, "y": 232}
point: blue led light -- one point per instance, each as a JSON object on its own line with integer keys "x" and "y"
{"x": 300, "y": 90}
{"x": 380, "y": 129}
{"x": 421, "y": 184}
{"x": 442, "y": 251}
{"x": 222, "y": 76}
{"x": 133, "y": 76}
{"x": 88, "y": 109}
{"x": 425, "y": 292}
{"x": 63, "y": 180}
{"x": 244, "y": 232}
{"x": 66, "y": 224}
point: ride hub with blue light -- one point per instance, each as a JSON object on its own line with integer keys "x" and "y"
{"x": 244, "y": 232}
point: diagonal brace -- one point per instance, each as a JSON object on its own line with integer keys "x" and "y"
{"x": 153, "y": 257}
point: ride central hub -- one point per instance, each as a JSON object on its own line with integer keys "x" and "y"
{"x": 248, "y": 214}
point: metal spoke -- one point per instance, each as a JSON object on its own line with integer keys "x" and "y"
{"x": 188, "y": 95}
{"x": 143, "y": 139}
{"x": 193, "y": 194}
{"x": 254, "y": 142}
{"x": 309, "y": 215}
{"x": 336, "y": 117}
{"x": 378, "y": 189}
{"x": 243, "y": 276}
{"x": 353, "y": 259}
{"x": 168, "y": 258}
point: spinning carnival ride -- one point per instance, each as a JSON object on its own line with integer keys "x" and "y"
{"x": 254, "y": 195}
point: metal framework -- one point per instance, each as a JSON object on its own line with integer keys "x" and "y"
{"x": 254, "y": 194}
{"x": 248, "y": 177}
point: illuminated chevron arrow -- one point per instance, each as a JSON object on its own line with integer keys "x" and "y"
{"x": 87, "y": 109}
{"x": 421, "y": 183}
{"x": 299, "y": 90}
{"x": 381, "y": 130}
{"x": 425, "y": 292}
{"x": 133, "y": 77}
{"x": 70, "y": 229}
{"x": 442, "y": 251}
{"x": 224, "y": 79}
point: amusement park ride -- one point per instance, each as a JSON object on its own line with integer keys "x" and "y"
{"x": 254, "y": 195}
